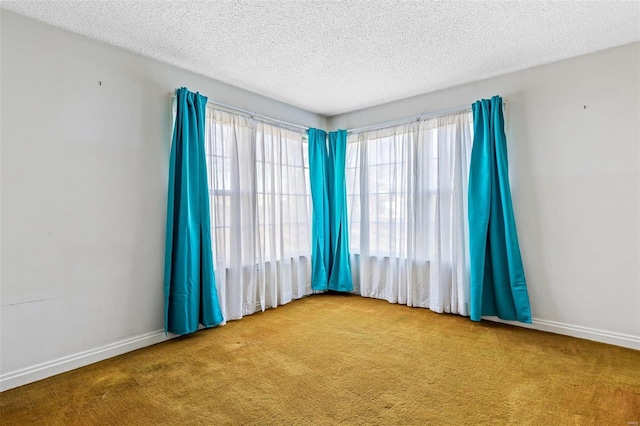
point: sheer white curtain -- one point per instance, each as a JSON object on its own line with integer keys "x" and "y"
{"x": 407, "y": 199}
{"x": 260, "y": 217}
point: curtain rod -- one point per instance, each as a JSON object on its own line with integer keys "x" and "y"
{"x": 386, "y": 124}
{"x": 423, "y": 116}
{"x": 409, "y": 119}
{"x": 251, "y": 114}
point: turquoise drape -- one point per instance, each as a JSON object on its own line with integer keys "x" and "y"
{"x": 190, "y": 291}
{"x": 498, "y": 285}
{"x": 320, "y": 243}
{"x": 340, "y": 274}
{"x": 330, "y": 269}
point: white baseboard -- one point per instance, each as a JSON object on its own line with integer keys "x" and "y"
{"x": 609, "y": 337}
{"x": 51, "y": 368}
{"x": 23, "y": 376}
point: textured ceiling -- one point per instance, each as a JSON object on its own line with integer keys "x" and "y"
{"x": 332, "y": 57}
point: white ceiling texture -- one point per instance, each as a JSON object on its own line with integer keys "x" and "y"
{"x": 332, "y": 57}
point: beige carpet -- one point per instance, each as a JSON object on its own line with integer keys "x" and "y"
{"x": 333, "y": 359}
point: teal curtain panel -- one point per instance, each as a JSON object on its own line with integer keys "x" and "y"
{"x": 340, "y": 273}
{"x": 190, "y": 291}
{"x": 320, "y": 238}
{"x": 498, "y": 285}
{"x": 330, "y": 241}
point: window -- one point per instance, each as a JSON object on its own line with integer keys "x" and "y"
{"x": 282, "y": 167}
{"x": 377, "y": 168}
{"x": 406, "y": 199}
{"x": 260, "y": 211}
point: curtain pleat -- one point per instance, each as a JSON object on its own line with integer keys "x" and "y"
{"x": 189, "y": 282}
{"x": 498, "y": 285}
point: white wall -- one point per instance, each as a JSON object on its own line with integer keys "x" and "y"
{"x": 84, "y": 180}
{"x": 573, "y": 131}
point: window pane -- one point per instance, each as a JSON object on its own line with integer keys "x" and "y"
{"x": 268, "y": 208}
